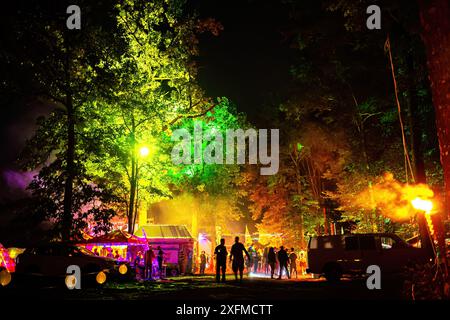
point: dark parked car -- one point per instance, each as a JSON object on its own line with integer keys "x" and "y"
{"x": 53, "y": 259}
{"x": 334, "y": 256}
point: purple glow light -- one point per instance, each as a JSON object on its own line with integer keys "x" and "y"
{"x": 202, "y": 238}
{"x": 17, "y": 179}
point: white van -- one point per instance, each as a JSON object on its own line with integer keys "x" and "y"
{"x": 334, "y": 256}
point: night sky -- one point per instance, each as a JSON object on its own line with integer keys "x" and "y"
{"x": 249, "y": 62}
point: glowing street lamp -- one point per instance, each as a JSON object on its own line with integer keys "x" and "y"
{"x": 144, "y": 151}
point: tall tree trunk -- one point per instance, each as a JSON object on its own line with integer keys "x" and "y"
{"x": 435, "y": 20}
{"x": 132, "y": 199}
{"x": 368, "y": 217}
{"x": 136, "y": 201}
{"x": 70, "y": 170}
{"x": 67, "y": 218}
{"x": 295, "y": 160}
{"x": 301, "y": 218}
{"x": 418, "y": 164}
{"x": 134, "y": 179}
{"x": 213, "y": 247}
{"x": 302, "y": 231}
{"x": 299, "y": 192}
{"x": 412, "y": 106}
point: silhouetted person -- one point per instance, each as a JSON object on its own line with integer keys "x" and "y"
{"x": 148, "y": 262}
{"x": 96, "y": 252}
{"x": 237, "y": 255}
{"x": 139, "y": 264}
{"x": 255, "y": 258}
{"x": 302, "y": 259}
{"x": 249, "y": 263}
{"x": 266, "y": 260}
{"x": 160, "y": 261}
{"x": 138, "y": 259}
{"x": 283, "y": 259}
{"x": 189, "y": 261}
{"x": 203, "y": 262}
{"x": 221, "y": 260}
{"x": 293, "y": 263}
{"x": 271, "y": 260}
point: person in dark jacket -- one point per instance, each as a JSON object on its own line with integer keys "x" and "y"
{"x": 160, "y": 261}
{"x": 237, "y": 256}
{"x": 221, "y": 260}
{"x": 271, "y": 260}
{"x": 139, "y": 265}
{"x": 255, "y": 260}
{"x": 283, "y": 259}
{"x": 266, "y": 260}
{"x": 203, "y": 262}
{"x": 148, "y": 262}
{"x": 293, "y": 263}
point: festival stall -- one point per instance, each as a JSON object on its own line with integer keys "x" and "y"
{"x": 176, "y": 243}
{"x": 117, "y": 244}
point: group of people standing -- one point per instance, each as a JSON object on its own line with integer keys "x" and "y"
{"x": 282, "y": 259}
{"x": 269, "y": 261}
{"x": 144, "y": 262}
{"x": 236, "y": 258}
{"x": 275, "y": 260}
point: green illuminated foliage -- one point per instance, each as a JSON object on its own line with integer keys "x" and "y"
{"x": 116, "y": 86}
{"x": 157, "y": 90}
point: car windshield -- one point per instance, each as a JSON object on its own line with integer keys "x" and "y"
{"x": 392, "y": 242}
{"x": 85, "y": 251}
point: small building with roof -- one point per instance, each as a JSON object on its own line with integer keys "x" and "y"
{"x": 176, "y": 243}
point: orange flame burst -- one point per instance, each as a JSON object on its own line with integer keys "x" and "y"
{"x": 394, "y": 199}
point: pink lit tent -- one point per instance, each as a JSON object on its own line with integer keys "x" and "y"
{"x": 125, "y": 243}
{"x": 116, "y": 237}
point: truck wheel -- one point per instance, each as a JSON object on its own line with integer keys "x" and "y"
{"x": 333, "y": 272}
